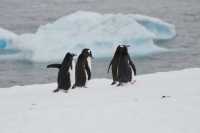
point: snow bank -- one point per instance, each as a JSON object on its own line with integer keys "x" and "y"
{"x": 158, "y": 103}
{"x": 100, "y": 32}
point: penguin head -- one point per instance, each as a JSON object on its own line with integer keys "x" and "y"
{"x": 119, "y": 50}
{"x": 68, "y": 58}
{"x": 72, "y": 54}
{"x": 87, "y": 52}
{"x": 125, "y": 49}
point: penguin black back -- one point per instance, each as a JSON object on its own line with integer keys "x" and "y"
{"x": 125, "y": 67}
{"x": 63, "y": 80}
{"x": 83, "y": 70}
{"x": 114, "y": 63}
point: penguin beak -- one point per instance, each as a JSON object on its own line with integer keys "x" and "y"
{"x": 74, "y": 55}
{"x": 127, "y": 46}
{"x": 91, "y": 56}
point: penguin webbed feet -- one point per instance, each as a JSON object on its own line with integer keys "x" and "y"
{"x": 120, "y": 84}
{"x": 74, "y": 86}
{"x": 133, "y": 82}
{"x": 64, "y": 90}
{"x": 113, "y": 83}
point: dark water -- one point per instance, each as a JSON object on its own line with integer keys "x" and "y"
{"x": 22, "y": 16}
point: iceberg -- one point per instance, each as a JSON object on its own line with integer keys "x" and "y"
{"x": 99, "y": 32}
{"x": 6, "y": 38}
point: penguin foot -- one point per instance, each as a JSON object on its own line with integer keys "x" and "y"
{"x": 65, "y": 91}
{"x": 56, "y": 90}
{"x": 120, "y": 84}
{"x": 113, "y": 83}
{"x": 74, "y": 86}
{"x": 133, "y": 82}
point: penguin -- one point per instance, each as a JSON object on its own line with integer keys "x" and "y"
{"x": 64, "y": 80}
{"x": 125, "y": 67}
{"x": 83, "y": 68}
{"x": 114, "y": 63}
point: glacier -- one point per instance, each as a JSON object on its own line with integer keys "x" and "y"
{"x": 99, "y": 32}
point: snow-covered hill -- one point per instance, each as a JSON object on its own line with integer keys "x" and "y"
{"x": 167, "y": 102}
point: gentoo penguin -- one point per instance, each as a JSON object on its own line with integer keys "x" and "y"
{"x": 64, "y": 80}
{"x": 83, "y": 68}
{"x": 114, "y": 63}
{"x": 125, "y": 67}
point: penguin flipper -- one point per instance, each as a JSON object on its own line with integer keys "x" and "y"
{"x": 132, "y": 65}
{"x": 109, "y": 67}
{"x": 54, "y": 66}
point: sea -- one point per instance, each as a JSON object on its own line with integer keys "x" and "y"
{"x": 25, "y": 16}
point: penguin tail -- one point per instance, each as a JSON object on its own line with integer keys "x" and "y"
{"x": 54, "y": 66}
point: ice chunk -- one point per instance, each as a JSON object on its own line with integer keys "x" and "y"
{"x": 6, "y": 38}
{"x": 99, "y": 32}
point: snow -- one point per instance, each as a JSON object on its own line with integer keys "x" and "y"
{"x": 165, "y": 102}
{"x": 99, "y": 32}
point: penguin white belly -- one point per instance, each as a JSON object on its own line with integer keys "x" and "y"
{"x": 72, "y": 73}
{"x": 89, "y": 60}
{"x": 86, "y": 76}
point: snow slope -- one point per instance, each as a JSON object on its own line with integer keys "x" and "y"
{"x": 101, "y": 108}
